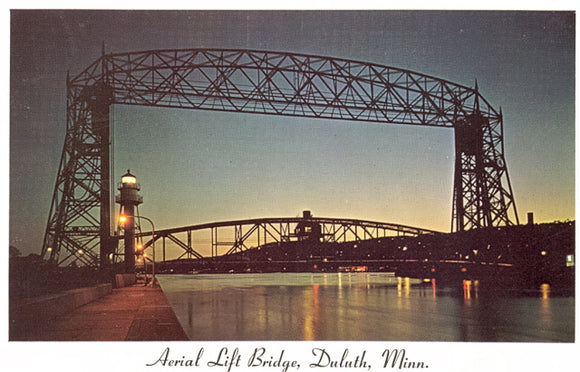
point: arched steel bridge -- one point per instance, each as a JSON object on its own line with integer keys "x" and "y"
{"x": 79, "y": 227}
{"x": 229, "y": 237}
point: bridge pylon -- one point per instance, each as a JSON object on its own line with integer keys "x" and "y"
{"x": 482, "y": 194}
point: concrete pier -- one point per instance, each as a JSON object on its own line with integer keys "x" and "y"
{"x": 132, "y": 313}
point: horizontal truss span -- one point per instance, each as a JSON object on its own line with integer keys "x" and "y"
{"x": 279, "y": 83}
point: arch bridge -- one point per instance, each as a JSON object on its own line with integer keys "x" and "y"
{"x": 230, "y": 237}
{"x": 80, "y": 228}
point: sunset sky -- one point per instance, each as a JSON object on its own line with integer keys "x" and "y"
{"x": 197, "y": 166}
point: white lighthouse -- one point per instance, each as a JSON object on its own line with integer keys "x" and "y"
{"x": 129, "y": 199}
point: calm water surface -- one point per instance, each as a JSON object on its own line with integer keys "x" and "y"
{"x": 362, "y": 306}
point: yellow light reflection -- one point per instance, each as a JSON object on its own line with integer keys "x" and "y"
{"x": 545, "y": 290}
{"x": 403, "y": 287}
{"x": 467, "y": 291}
{"x": 407, "y": 286}
{"x": 399, "y": 286}
{"x": 263, "y": 314}
{"x": 403, "y": 291}
{"x": 311, "y": 313}
{"x": 546, "y": 311}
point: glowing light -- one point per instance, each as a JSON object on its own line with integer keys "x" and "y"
{"x": 544, "y": 253}
{"x": 122, "y": 219}
{"x": 128, "y": 179}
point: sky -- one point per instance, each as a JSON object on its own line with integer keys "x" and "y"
{"x": 198, "y": 167}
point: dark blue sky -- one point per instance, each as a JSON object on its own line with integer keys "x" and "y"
{"x": 197, "y": 167}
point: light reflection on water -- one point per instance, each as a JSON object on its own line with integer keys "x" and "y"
{"x": 361, "y": 306}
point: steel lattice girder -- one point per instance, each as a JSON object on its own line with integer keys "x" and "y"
{"x": 73, "y": 232}
{"x": 263, "y": 82}
{"x": 233, "y": 236}
{"x": 479, "y": 198}
{"x": 280, "y": 84}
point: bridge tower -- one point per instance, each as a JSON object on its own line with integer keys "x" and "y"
{"x": 129, "y": 199}
{"x": 479, "y": 197}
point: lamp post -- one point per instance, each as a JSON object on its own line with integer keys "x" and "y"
{"x": 141, "y": 252}
{"x": 123, "y": 219}
{"x": 152, "y": 247}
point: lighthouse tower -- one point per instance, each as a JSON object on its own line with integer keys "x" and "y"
{"x": 129, "y": 199}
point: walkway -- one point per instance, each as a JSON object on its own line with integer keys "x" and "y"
{"x": 134, "y": 313}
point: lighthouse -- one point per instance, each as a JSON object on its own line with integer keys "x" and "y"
{"x": 129, "y": 199}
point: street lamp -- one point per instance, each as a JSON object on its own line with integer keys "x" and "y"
{"x": 152, "y": 247}
{"x": 123, "y": 219}
{"x": 141, "y": 252}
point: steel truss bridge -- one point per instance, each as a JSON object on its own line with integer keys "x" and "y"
{"x": 79, "y": 228}
{"x": 229, "y": 237}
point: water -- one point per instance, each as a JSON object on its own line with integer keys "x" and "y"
{"x": 362, "y": 306}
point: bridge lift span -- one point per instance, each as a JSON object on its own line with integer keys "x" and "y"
{"x": 79, "y": 228}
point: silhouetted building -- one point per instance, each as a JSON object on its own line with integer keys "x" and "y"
{"x": 308, "y": 229}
